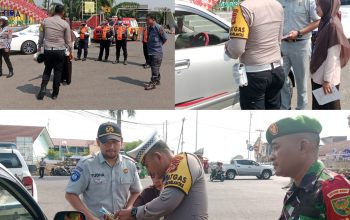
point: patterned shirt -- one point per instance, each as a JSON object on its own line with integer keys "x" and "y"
{"x": 5, "y": 38}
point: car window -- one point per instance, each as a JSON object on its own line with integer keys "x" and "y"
{"x": 11, "y": 208}
{"x": 345, "y": 2}
{"x": 8, "y": 145}
{"x": 10, "y": 160}
{"x": 244, "y": 162}
{"x": 193, "y": 30}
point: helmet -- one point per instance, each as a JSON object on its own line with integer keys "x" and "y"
{"x": 39, "y": 57}
{"x": 3, "y": 18}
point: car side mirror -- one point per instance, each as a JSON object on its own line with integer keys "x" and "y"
{"x": 32, "y": 168}
{"x": 69, "y": 215}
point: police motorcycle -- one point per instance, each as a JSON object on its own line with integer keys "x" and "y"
{"x": 218, "y": 173}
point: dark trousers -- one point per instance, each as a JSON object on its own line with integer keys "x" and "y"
{"x": 121, "y": 44}
{"x": 83, "y": 45}
{"x": 104, "y": 45}
{"x": 335, "y": 105}
{"x": 54, "y": 59}
{"x": 41, "y": 172}
{"x": 145, "y": 52}
{"x": 263, "y": 90}
{"x": 6, "y": 56}
{"x": 155, "y": 63}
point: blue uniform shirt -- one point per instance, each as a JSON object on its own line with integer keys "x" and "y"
{"x": 156, "y": 39}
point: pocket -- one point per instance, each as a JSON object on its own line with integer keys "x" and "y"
{"x": 300, "y": 9}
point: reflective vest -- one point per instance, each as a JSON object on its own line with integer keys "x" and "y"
{"x": 83, "y": 30}
{"x": 120, "y": 31}
{"x": 105, "y": 31}
{"x": 145, "y": 35}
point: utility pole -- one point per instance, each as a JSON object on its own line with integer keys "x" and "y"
{"x": 166, "y": 131}
{"x": 181, "y": 139}
{"x": 196, "y": 129}
{"x": 250, "y": 126}
{"x": 70, "y": 13}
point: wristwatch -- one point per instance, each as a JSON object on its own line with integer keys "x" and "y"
{"x": 299, "y": 34}
{"x": 134, "y": 212}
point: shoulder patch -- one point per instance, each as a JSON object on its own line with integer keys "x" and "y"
{"x": 75, "y": 176}
{"x": 239, "y": 26}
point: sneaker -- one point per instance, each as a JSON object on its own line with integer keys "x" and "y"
{"x": 105, "y": 60}
{"x": 150, "y": 86}
{"x": 84, "y": 59}
{"x": 157, "y": 83}
{"x": 116, "y": 61}
{"x": 125, "y": 62}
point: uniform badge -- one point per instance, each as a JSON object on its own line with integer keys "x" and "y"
{"x": 174, "y": 164}
{"x": 126, "y": 170}
{"x": 109, "y": 129}
{"x": 75, "y": 176}
{"x": 273, "y": 129}
{"x": 341, "y": 206}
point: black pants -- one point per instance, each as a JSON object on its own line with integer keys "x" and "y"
{"x": 145, "y": 53}
{"x": 335, "y": 105}
{"x": 155, "y": 63}
{"x": 263, "y": 90}
{"x": 54, "y": 59}
{"x": 104, "y": 45}
{"x": 83, "y": 45}
{"x": 6, "y": 56}
{"x": 41, "y": 172}
{"x": 121, "y": 44}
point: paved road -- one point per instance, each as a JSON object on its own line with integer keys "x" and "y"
{"x": 95, "y": 85}
{"x": 241, "y": 199}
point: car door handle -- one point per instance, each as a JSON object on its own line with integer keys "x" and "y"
{"x": 182, "y": 64}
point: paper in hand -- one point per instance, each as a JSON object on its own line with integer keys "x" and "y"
{"x": 323, "y": 98}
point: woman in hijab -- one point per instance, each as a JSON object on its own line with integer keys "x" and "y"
{"x": 5, "y": 45}
{"x": 331, "y": 52}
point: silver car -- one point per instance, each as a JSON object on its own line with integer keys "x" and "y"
{"x": 203, "y": 72}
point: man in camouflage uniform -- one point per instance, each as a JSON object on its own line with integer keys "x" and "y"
{"x": 316, "y": 193}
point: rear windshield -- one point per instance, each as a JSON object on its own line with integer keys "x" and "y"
{"x": 8, "y": 145}
{"x": 10, "y": 160}
{"x": 345, "y": 2}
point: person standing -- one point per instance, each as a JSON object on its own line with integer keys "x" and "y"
{"x": 83, "y": 41}
{"x": 42, "y": 167}
{"x": 144, "y": 46}
{"x": 105, "y": 42}
{"x": 121, "y": 39}
{"x": 55, "y": 37}
{"x": 331, "y": 53}
{"x": 255, "y": 38}
{"x": 109, "y": 179}
{"x": 300, "y": 19}
{"x": 5, "y": 45}
{"x": 156, "y": 39}
{"x": 316, "y": 192}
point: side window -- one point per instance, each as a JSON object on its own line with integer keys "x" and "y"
{"x": 10, "y": 160}
{"x": 11, "y": 208}
{"x": 242, "y": 162}
{"x": 193, "y": 30}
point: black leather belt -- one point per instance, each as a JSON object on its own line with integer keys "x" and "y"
{"x": 293, "y": 40}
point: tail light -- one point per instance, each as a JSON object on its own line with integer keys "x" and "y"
{"x": 28, "y": 184}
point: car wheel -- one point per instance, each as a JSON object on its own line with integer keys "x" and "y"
{"x": 28, "y": 47}
{"x": 134, "y": 37}
{"x": 266, "y": 174}
{"x": 230, "y": 175}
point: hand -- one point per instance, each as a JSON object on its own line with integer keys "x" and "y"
{"x": 293, "y": 35}
{"x": 71, "y": 56}
{"x": 327, "y": 88}
{"x": 125, "y": 214}
{"x": 91, "y": 217}
{"x": 105, "y": 217}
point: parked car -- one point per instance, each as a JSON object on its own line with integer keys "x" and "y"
{"x": 15, "y": 163}
{"x": 248, "y": 168}
{"x": 345, "y": 17}
{"x": 8, "y": 145}
{"x": 17, "y": 203}
{"x": 26, "y": 39}
{"x": 203, "y": 71}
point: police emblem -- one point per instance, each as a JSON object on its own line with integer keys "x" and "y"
{"x": 174, "y": 164}
{"x": 75, "y": 176}
{"x": 273, "y": 129}
{"x": 342, "y": 206}
{"x": 109, "y": 129}
{"x": 126, "y": 170}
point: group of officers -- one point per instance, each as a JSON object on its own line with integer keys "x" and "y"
{"x": 109, "y": 181}
{"x": 56, "y": 40}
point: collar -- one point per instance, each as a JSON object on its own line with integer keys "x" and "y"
{"x": 311, "y": 176}
{"x": 102, "y": 160}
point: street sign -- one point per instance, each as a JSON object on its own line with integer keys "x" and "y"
{"x": 89, "y": 7}
{"x": 250, "y": 147}
{"x": 346, "y": 153}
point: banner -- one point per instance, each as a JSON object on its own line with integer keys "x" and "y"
{"x": 89, "y": 7}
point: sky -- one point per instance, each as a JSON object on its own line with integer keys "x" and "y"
{"x": 222, "y": 134}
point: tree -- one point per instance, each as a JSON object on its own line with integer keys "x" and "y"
{"x": 117, "y": 114}
{"x": 131, "y": 145}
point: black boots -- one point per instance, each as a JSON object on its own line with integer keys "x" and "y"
{"x": 41, "y": 93}
{"x": 10, "y": 74}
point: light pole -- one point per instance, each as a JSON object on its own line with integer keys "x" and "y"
{"x": 70, "y": 13}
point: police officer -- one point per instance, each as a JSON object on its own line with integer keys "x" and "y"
{"x": 55, "y": 37}
{"x": 255, "y": 37}
{"x": 300, "y": 18}
{"x": 156, "y": 39}
{"x": 83, "y": 40}
{"x": 42, "y": 167}
{"x": 106, "y": 39}
{"x": 121, "y": 39}
{"x": 184, "y": 195}
{"x": 144, "y": 46}
{"x": 105, "y": 180}
{"x": 5, "y": 45}
{"x": 316, "y": 193}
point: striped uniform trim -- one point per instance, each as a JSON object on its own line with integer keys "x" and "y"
{"x": 147, "y": 145}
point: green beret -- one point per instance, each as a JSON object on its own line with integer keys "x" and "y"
{"x": 286, "y": 126}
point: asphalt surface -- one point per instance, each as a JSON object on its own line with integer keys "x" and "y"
{"x": 95, "y": 85}
{"x": 244, "y": 198}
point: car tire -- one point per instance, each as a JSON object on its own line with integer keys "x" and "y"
{"x": 28, "y": 47}
{"x": 266, "y": 174}
{"x": 230, "y": 175}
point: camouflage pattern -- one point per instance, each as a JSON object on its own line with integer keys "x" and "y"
{"x": 305, "y": 202}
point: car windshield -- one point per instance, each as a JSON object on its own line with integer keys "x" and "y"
{"x": 11, "y": 208}
{"x": 8, "y": 145}
{"x": 10, "y": 160}
{"x": 345, "y": 2}
{"x": 17, "y": 29}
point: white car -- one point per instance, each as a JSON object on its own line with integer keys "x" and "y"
{"x": 26, "y": 40}
{"x": 15, "y": 163}
{"x": 203, "y": 71}
{"x": 345, "y": 17}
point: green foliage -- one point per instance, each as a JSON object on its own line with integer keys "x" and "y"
{"x": 52, "y": 154}
{"x": 131, "y": 145}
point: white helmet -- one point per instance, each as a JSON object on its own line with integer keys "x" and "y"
{"x": 4, "y": 18}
